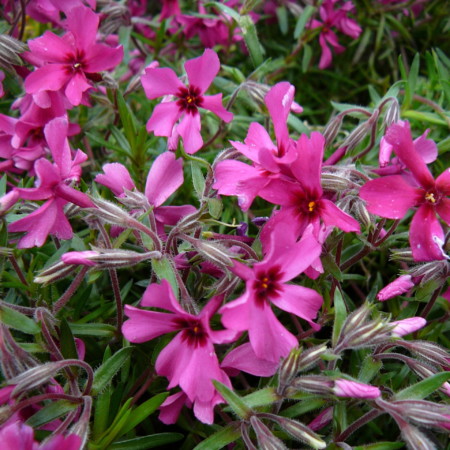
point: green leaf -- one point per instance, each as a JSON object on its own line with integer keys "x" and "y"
{"x": 105, "y": 373}
{"x": 369, "y": 369}
{"x": 219, "y": 439}
{"x": 306, "y": 59}
{"x": 261, "y": 397}
{"x": 18, "y": 321}
{"x": 165, "y": 271}
{"x": 423, "y": 388}
{"x": 412, "y": 81}
{"x": 226, "y": 9}
{"x": 302, "y": 20}
{"x": 66, "y": 341}
{"x": 215, "y": 207}
{"x": 115, "y": 429}
{"x": 251, "y": 39}
{"x": 93, "y": 329}
{"x": 282, "y": 16}
{"x": 198, "y": 179}
{"x": 101, "y": 413}
{"x": 235, "y": 402}
{"x": 381, "y": 446}
{"x": 128, "y": 120}
{"x": 51, "y": 412}
{"x": 340, "y": 313}
{"x": 143, "y": 411}
{"x": 145, "y": 442}
{"x": 424, "y": 117}
{"x": 329, "y": 265}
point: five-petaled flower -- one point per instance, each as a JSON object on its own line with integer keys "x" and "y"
{"x": 158, "y": 82}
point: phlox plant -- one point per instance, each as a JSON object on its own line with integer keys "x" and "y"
{"x": 224, "y": 224}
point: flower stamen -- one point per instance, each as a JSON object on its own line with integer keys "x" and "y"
{"x": 429, "y": 196}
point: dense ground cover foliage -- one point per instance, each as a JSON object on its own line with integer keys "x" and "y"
{"x": 224, "y": 224}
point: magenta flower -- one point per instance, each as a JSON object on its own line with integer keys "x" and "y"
{"x": 164, "y": 178}
{"x": 269, "y": 160}
{"x": 334, "y": 14}
{"x": 406, "y": 326}
{"x": 164, "y": 82}
{"x": 189, "y": 360}
{"x": 18, "y": 435}
{"x": 303, "y": 202}
{"x": 73, "y": 61}
{"x": 53, "y": 185}
{"x": 266, "y": 283}
{"x": 353, "y": 389}
{"x": 392, "y": 196}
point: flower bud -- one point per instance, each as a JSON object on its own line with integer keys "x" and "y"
{"x": 266, "y": 439}
{"x": 9, "y": 50}
{"x": 311, "y": 356}
{"x": 422, "y": 412}
{"x": 356, "y": 319}
{"x": 392, "y": 113}
{"x": 353, "y": 389}
{"x": 332, "y": 129}
{"x": 335, "y": 182}
{"x": 415, "y": 439}
{"x": 399, "y": 286}
{"x": 427, "y": 350}
{"x": 8, "y": 200}
{"x": 81, "y": 427}
{"x": 406, "y": 326}
{"x": 33, "y": 378}
{"x": 289, "y": 367}
{"x": 109, "y": 212}
{"x": 214, "y": 252}
{"x": 55, "y": 272}
{"x": 133, "y": 199}
{"x": 322, "y": 419}
{"x": 402, "y": 254}
{"x": 107, "y": 258}
{"x": 434, "y": 270}
{"x": 297, "y": 430}
{"x": 314, "y": 384}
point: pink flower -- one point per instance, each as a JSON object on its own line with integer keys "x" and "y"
{"x": 399, "y": 286}
{"x": 164, "y": 82}
{"x": 164, "y": 178}
{"x": 2, "y": 77}
{"x": 19, "y": 436}
{"x": 265, "y": 283}
{"x": 189, "y": 360}
{"x": 392, "y": 196}
{"x": 406, "y": 326}
{"x": 269, "y": 160}
{"x": 53, "y": 185}
{"x": 353, "y": 389}
{"x": 334, "y": 14}
{"x": 303, "y": 202}
{"x": 71, "y": 62}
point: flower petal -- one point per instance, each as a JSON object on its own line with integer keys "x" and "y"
{"x": 164, "y": 178}
{"x": 116, "y": 178}
{"x": 50, "y": 77}
{"x": 51, "y": 48}
{"x": 213, "y": 103}
{"x": 83, "y": 23}
{"x": 189, "y": 130}
{"x": 159, "y": 82}
{"x": 201, "y": 71}
{"x": 163, "y": 119}
{"x": 332, "y": 215}
{"x": 75, "y": 88}
{"x": 424, "y": 232}
{"x": 390, "y": 196}
{"x": 102, "y": 57}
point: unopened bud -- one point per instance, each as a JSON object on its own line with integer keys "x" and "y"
{"x": 108, "y": 258}
{"x": 297, "y": 430}
{"x": 392, "y": 113}
{"x": 214, "y": 252}
{"x": 133, "y": 199}
{"x": 406, "y": 326}
{"x": 289, "y": 367}
{"x": 311, "y": 356}
{"x": 265, "y": 437}
{"x": 257, "y": 91}
{"x": 115, "y": 15}
{"x": 356, "y": 319}
{"x": 9, "y": 52}
{"x": 81, "y": 427}
{"x": 422, "y": 412}
{"x": 373, "y": 333}
{"x": 335, "y": 182}
{"x": 109, "y": 212}
{"x": 332, "y": 129}
{"x": 353, "y": 389}
{"x": 8, "y": 200}
{"x": 322, "y": 419}
{"x": 402, "y": 254}
{"x": 357, "y": 135}
{"x": 55, "y": 272}
{"x": 434, "y": 270}
{"x": 428, "y": 350}
{"x": 415, "y": 439}
{"x": 399, "y": 286}
{"x": 314, "y": 384}
{"x": 33, "y": 378}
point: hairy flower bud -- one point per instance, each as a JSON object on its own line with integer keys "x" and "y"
{"x": 332, "y": 129}
{"x": 33, "y": 378}
{"x": 8, "y": 200}
{"x": 109, "y": 212}
{"x": 214, "y": 252}
{"x": 392, "y": 113}
{"x": 314, "y": 384}
{"x": 297, "y": 430}
{"x": 427, "y": 350}
{"x": 55, "y": 272}
{"x": 402, "y": 254}
{"x": 9, "y": 51}
{"x": 322, "y": 419}
{"x": 434, "y": 270}
{"x": 289, "y": 367}
{"x": 311, "y": 356}
{"x": 353, "y": 389}
{"x": 415, "y": 439}
{"x": 399, "y": 286}
{"x": 406, "y": 326}
{"x": 108, "y": 258}
{"x": 266, "y": 439}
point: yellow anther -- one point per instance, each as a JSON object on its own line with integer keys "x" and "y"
{"x": 189, "y": 99}
{"x": 311, "y": 206}
{"x": 430, "y": 197}
{"x": 77, "y": 65}
{"x": 196, "y": 329}
{"x": 264, "y": 285}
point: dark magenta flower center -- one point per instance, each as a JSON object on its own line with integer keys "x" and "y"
{"x": 190, "y": 99}
{"x": 193, "y": 331}
{"x": 267, "y": 284}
